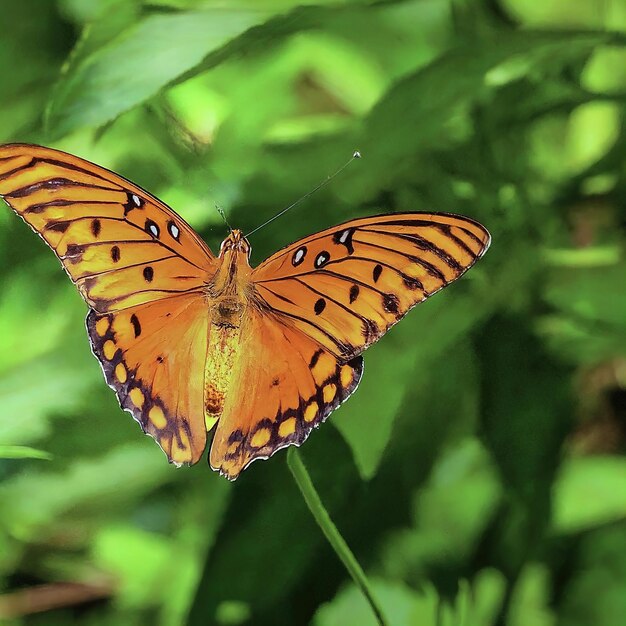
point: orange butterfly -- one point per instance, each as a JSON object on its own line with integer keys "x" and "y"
{"x": 188, "y": 340}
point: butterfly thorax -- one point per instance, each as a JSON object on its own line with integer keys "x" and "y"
{"x": 227, "y": 303}
{"x": 227, "y": 288}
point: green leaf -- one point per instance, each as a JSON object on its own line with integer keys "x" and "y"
{"x": 594, "y": 128}
{"x": 403, "y": 606}
{"x": 530, "y": 603}
{"x": 144, "y": 58}
{"x": 366, "y": 421}
{"x": 525, "y": 414}
{"x": 139, "y": 561}
{"x": 475, "y": 604}
{"x": 23, "y": 452}
{"x": 37, "y": 498}
{"x": 428, "y": 99}
{"x": 523, "y": 431}
{"x": 598, "y": 482}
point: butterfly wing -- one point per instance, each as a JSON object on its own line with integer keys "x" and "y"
{"x": 285, "y": 384}
{"x": 120, "y": 245}
{"x": 346, "y": 286}
{"x": 142, "y": 271}
{"x": 153, "y": 356}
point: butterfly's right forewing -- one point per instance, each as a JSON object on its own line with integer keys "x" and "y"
{"x": 120, "y": 245}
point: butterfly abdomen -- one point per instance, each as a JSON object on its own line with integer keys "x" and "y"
{"x": 223, "y": 347}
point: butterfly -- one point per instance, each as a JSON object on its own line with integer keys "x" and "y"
{"x": 192, "y": 342}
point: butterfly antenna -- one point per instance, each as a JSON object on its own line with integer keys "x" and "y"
{"x": 220, "y": 210}
{"x": 355, "y": 155}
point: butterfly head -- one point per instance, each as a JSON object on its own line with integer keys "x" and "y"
{"x": 235, "y": 243}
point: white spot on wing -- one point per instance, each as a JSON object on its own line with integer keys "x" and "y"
{"x": 321, "y": 259}
{"x": 299, "y": 256}
{"x": 136, "y": 200}
{"x": 154, "y": 230}
{"x": 174, "y": 230}
{"x": 344, "y": 236}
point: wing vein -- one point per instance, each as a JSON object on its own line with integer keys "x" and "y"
{"x": 324, "y": 295}
{"x": 342, "y": 347}
{"x": 424, "y": 244}
{"x": 127, "y": 267}
{"x": 136, "y": 226}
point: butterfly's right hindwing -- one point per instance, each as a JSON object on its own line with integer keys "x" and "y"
{"x": 153, "y": 356}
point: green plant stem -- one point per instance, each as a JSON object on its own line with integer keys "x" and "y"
{"x": 341, "y": 548}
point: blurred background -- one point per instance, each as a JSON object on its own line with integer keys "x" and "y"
{"x": 478, "y": 473}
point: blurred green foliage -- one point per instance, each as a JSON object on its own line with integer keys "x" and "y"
{"x": 478, "y": 473}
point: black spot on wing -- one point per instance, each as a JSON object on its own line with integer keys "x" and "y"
{"x": 134, "y": 320}
{"x": 173, "y": 230}
{"x": 377, "y": 272}
{"x": 370, "y": 330}
{"x": 315, "y": 358}
{"x": 148, "y": 273}
{"x": 133, "y": 201}
{"x": 412, "y": 283}
{"x": 344, "y": 238}
{"x": 391, "y": 303}
{"x": 58, "y": 227}
{"x": 321, "y": 259}
{"x": 74, "y": 252}
{"x": 354, "y": 293}
{"x": 298, "y": 256}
